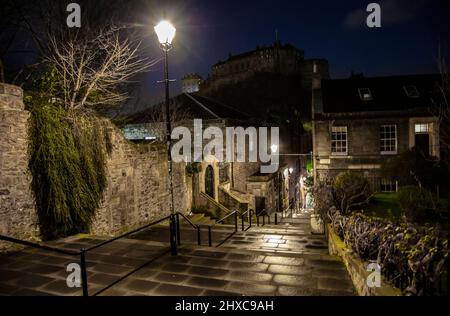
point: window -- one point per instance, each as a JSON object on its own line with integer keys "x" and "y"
{"x": 411, "y": 91}
{"x": 365, "y": 94}
{"x": 339, "y": 140}
{"x": 422, "y": 128}
{"x": 388, "y": 139}
{"x": 388, "y": 186}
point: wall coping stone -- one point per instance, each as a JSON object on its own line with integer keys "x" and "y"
{"x": 8, "y": 89}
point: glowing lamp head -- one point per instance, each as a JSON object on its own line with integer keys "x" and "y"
{"x": 274, "y": 148}
{"x": 165, "y": 32}
{"x": 291, "y": 170}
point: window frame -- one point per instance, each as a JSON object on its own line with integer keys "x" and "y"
{"x": 384, "y": 140}
{"x": 343, "y": 131}
{"x": 414, "y": 95}
{"x": 388, "y": 183}
{"x": 362, "y": 96}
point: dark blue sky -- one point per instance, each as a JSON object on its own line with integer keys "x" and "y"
{"x": 208, "y": 30}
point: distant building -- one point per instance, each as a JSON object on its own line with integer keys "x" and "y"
{"x": 219, "y": 186}
{"x": 278, "y": 58}
{"x": 360, "y": 122}
{"x": 191, "y": 83}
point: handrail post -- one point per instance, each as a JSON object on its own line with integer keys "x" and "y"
{"x": 235, "y": 221}
{"x": 257, "y": 219}
{"x": 209, "y": 236}
{"x": 199, "y": 240}
{"x": 84, "y": 273}
{"x": 242, "y": 219}
{"x": 268, "y": 219}
{"x": 250, "y": 219}
{"x": 264, "y": 219}
{"x": 173, "y": 237}
{"x": 276, "y": 218}
{"x": 178, "y": 229}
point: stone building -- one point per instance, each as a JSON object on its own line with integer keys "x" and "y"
{"x": 360, "y": 122}
{"x": 191, "y": 82}
{"x": 277, "y": 58}
{"x": 218, "y": 186}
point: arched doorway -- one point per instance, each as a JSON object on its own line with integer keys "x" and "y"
{"x": 209, "y": 182}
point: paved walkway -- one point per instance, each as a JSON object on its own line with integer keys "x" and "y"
{"x": 271, "y": 260}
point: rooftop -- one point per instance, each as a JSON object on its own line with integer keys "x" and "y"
{"x": 393, "y": 93}
{"x": 195, "y": 106}
{"x": 277, "y": 44}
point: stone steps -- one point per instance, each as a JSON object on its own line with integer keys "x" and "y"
{"x": 269, "y": 260}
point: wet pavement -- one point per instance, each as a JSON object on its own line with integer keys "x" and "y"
{"x": 271, "y": 260}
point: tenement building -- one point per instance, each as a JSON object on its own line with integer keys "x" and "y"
{"x": 359, "y": 122}
{"x": 280, "y": 58}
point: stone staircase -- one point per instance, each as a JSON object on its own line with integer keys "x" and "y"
{"x": 282, "y": 259}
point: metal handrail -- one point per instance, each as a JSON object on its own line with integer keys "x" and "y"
{"x": 39, "y": 246}
{"x": 249, "y": 212}
{"x": 224, "y": 218}
{"x": 235, "y": 213}
{"x": 128, "y": 234}
{"x": 187, "y": 220}
{"x": 263, "y": 217}
{"x": 82, "y": 252}
{"x": 197, "y": 227}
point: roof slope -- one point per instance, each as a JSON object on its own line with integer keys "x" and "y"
{"x": 388, "y": 93}
{"x": 196, "y": 106}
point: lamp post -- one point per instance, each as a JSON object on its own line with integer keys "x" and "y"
{"x": 166, "y": 33}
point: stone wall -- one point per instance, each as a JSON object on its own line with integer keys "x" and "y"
{"x": 17, "y": 205}
{"x": 357, "y": 269}
{"x": 137, "y": 179}
{"x": 231, "y": 201}
{"x": 137, "y": 190}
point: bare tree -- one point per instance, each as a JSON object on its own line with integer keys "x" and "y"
{"x": 442, "y": 106}
{"x": 94, "y": 70}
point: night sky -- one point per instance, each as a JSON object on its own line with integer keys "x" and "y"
{"x": 208, "y": 30}
{"x": 408, "y": 41}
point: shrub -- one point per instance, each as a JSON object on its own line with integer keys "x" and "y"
{"x": 405, "y": 251}
{"x": 350, "y": 189}
{"x": 417, "y": 204}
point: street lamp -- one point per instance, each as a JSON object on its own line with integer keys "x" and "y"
{"x": 166, "y": 33}
{"x": 274, "y": 148}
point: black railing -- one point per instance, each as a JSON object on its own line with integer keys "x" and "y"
{"x": 264, "y": 215}
{"x": 196, "y": 227}
{"x": 287, "y": 213}
{"x": 249, "y": 213}
{"x": 174, "y": 234}
{"x": 210, "y": 227}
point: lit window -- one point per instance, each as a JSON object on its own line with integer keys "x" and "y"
{"x": 411, "y": 91}
{"x": 388, "y": 139}
{"x": 388, "y": 186}
{"x": 365, "y": 94}
{"x": 422, "y": 128}
{"x": 339, "y": 140}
